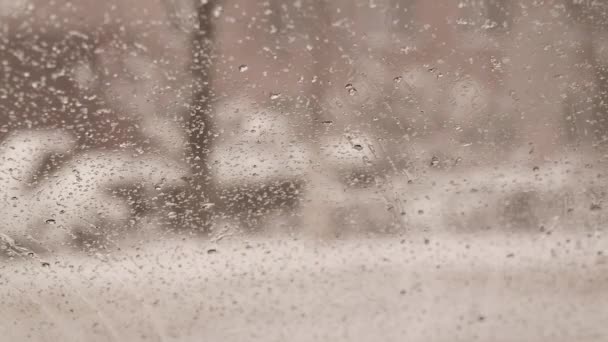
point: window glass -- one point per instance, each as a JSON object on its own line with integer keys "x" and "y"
{"x": 346, "y": 170}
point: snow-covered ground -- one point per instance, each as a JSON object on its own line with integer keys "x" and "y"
{"x": 416, "y": 287}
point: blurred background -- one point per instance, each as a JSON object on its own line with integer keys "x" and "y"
{"x": 134, "y": 118}
{"x": 303, "y": 170}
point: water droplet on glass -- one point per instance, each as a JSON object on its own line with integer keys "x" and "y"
{"x": 50, "y": 221}
{"x": 243, "y": 68}
{"x": 434, "y": 161}
{"x": 397, "y": 79}
{"x": 358, "y": 147}
{"x": 275, "y": 96}
{"x": 208, "y": 205}
{"x": 352, "y": 91}
{"x": 217, "y": 12}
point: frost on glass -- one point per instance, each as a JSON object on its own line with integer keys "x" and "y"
{"x": 150, "y": 149}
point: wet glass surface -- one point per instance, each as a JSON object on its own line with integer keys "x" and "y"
{"x": 306, "y": 170}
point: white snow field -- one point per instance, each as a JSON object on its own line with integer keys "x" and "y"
{"x": 416, "y": 287}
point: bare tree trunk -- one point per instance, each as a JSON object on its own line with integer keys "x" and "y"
{"x": 199, "y": 123}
